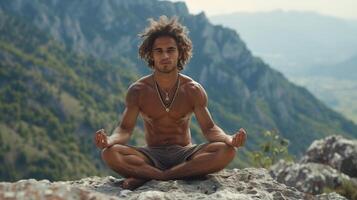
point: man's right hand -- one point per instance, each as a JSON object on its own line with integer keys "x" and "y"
{"x": 101, "y": 139}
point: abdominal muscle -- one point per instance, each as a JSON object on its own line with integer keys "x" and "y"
{"x": 160, "y": 133}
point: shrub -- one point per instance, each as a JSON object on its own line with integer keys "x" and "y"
{"x": 273, "y": 148}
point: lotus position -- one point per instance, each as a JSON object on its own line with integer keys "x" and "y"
{"x": 166, "y": 100}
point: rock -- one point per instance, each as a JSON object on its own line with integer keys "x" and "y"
{"x": 307, "y": 177}
{"x": 327, "y": 163}
{"x": 249, "y": 183}
{"x": 329, "y": 196}
{"x": 335, "y": 151}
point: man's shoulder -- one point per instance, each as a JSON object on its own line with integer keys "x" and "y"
{"x": 189, "y": 84}
{"x": 195, "y": 91}
{"x": 136, "y": 89}
{"x": 141, "y": 83}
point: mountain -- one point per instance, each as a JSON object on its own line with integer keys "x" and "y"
{"x": 295, "y": 41}
{"x": 86, "y": 56}
{"x": 46, "y": 95}
{"x": 315, "y": 51}
{"x": 105, "y": 30}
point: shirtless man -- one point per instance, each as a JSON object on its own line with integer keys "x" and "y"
{"x": 166, "y": 100}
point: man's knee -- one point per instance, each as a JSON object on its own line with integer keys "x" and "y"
{"x": 224, "y": 154}
{"x": 224, "y": 150}
{"x": 124, "y": 155}
{"x": 228, "y": 151}
{"x": 109, "y": 152}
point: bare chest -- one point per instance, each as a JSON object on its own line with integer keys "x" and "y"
{"x": 152, "y": 107}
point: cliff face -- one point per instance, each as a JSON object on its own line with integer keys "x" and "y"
{"x": 245, "y": 184}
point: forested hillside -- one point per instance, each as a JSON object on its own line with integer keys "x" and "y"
{"x": 51, "y": 100}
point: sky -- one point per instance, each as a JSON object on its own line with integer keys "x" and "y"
{"x": 346, "y": 9}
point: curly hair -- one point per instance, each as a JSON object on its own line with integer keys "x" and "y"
{"x": 165, "y": 27}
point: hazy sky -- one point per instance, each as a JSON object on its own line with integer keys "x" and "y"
{"x": 340, "y": 8}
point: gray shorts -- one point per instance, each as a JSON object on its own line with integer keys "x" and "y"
{"x": 165, "y": 157}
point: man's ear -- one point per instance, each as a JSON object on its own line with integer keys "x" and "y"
{"x": 151, "y": 60}
{"x": 179, "y": 55}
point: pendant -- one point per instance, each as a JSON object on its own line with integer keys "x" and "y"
{"x": 167, "y": 97}
{"x": 167, "y": 109}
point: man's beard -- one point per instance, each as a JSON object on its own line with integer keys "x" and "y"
{"x": 166, "y": 69}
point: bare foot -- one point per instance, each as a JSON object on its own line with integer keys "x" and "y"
{"x": 132, "y": 183}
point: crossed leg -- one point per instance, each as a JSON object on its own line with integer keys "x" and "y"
{"x": 201, "y": 163}
{"x": 131, "y": 164}
{"x": 138, "y": 169}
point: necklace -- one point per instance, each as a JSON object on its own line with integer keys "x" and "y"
{"x": 167, "y": 98}
{"x": 167, "y": 108}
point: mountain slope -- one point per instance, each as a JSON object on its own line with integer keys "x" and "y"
{"x": 46, "y": 95}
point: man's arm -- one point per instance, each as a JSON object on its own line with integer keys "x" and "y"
{"x": 211, "y": 131}
{"x": 123, "y": 132}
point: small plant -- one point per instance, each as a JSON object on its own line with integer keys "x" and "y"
{"x": 271, "y": 150}
{"x": 346, "y": 189}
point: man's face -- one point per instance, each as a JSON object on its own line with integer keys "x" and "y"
{"x": 165, "y": 54}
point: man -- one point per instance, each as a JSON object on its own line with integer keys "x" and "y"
{"x": 166, "y": 100}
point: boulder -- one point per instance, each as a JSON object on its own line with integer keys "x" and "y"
{"x": 307, "y": 177}
{"x": 335, "y": 151}
{"x": 328, "y": 163}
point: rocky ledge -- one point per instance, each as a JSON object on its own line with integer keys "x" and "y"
{"x": 249, "y": 183}
{"x": 328, "y": 163}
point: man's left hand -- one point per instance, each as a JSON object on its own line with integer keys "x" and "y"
{"x": 239, "y": 138}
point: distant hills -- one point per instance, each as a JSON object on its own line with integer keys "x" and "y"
{"x": 295, "y": 41}
{"x": 65, "y": 67}
{"x": 315, "y": 51}
{"x": 345, "y": 70}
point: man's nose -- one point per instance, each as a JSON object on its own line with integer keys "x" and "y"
{"x": 165, "y": 54}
